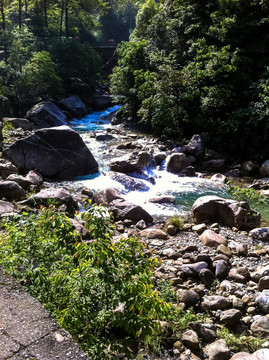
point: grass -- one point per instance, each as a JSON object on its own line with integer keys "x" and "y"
{"x": 176, "y": 222}
{"x": 240, "y": 342}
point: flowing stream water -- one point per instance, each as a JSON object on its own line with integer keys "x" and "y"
{"x": 185, "y": 189}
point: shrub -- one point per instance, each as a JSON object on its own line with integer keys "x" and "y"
{"x": 96, "y": 289}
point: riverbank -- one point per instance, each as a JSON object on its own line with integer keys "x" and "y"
{"x": 214, "y": 273}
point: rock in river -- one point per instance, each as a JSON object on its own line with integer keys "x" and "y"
{"x": 122, "y": 210}
{"x": 226, "y": 211}
{"x": 57, "y": 152}
{"x": 128, "y": 182}
{"x": 74, "y": 105}
{"x": 46, "y": 114}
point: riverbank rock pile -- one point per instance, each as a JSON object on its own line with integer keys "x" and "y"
{"x": 219, "y": 272}
{"x": 192, "y": 159}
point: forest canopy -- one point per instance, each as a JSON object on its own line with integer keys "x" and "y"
{"x": 46, "y": 43}
{"x": 200, "y": 66}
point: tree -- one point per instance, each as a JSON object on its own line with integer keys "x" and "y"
{"x": 200, "y": 62}
{"x": 3, "y": 9}
{"x": 38, "y": 77}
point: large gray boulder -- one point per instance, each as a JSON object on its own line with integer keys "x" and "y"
{"x": 122, "y": 209}
{"x": 177, "y": 162}
{"x": 7, "y": 208}
{"x": 20, "y": 180}
{"x": 132, "y": 162}
{"x": 7, "y": 168}
{"x": 74, "y": 105}
{"x": 124, "y": 164}
{"x": 195, "y": 146}
{"x": 11, "y": 191}
{"x": 225, "y": 211}
{"x": 128, "y": 182}
{"x": 83, "y": 90}
{"x": 57, "y": 152}
{"x": 249, "y": 168}
{"x": 34, "y": 178}
{"x": 46, "y": 114}
{"x": 106, "y": 196}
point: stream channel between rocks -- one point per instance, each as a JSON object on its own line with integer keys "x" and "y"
{"x": 184, "y": 189}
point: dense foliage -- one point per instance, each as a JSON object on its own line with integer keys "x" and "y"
{"x": 57, "y": 36}
{"x": 195, "y": 66}
{"x": 99, "y": 290}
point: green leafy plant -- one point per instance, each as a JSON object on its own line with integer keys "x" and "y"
{"x": 245, "y": 194}
{"x": 259, "y": 246}
{"x": 7, "y": 129}
{"x": 256, "y": 200}
{"x": 167, "y": 293}
{"x": 38, "y": 77}
{"x": 240, "y": 342}
{"x": 184, "y": 320}
{"x": 100, "y": 291}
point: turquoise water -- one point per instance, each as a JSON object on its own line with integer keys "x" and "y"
{"x": 94, "y": 121}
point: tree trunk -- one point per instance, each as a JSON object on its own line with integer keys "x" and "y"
{"x": 2, "y": 9}
{"x": 61, "y": 20}
{"x": 45, "y": 13}
{"x": 26, "y": 8}
{"x": 3, "y": 15}
{"x": 20, "y": 14}
{"x": 66, "y": 19}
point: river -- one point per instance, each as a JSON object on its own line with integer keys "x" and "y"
{"x": 185, "y": 189}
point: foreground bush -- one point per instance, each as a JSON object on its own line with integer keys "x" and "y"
{"x": 100, "y": 291}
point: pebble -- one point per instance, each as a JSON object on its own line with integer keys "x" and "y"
{"x": 212, "y": 239}
{"x": 218, "y": 350}
{"x": 230, "y": 317}
{"x": 191, "y": 340}
{"x": 263, "y": 283}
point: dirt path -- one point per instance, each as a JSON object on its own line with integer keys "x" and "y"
{"x": 27, "y": 331}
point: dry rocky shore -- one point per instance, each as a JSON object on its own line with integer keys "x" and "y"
{"x": 217, "y": 261}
